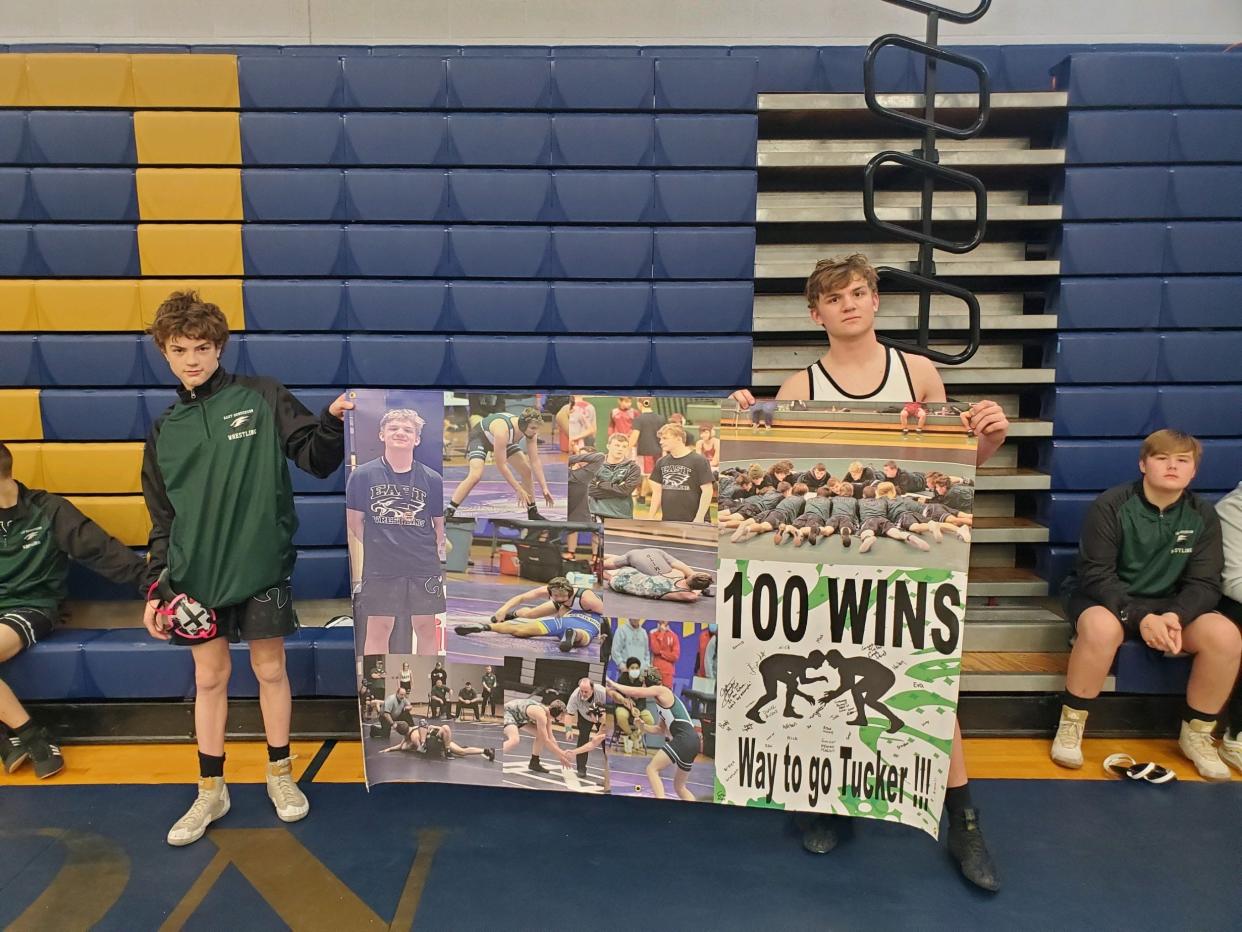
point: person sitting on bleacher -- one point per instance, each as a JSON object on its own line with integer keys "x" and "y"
{"x": 215, "y": 476}
{"x": 1229, "y": 510}
{"x": 39, "y": 533}
{"x": 1149, "y": 567}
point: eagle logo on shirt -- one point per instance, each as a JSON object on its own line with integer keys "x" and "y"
{"x": 30, "y": 537}
{"x": 402, "y": 505}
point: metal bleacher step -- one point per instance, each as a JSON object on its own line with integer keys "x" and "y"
{"x": 781, "y": 260}
{"x": 856, "y": 153}
{"x": 1011, "y": 479}
{"x": 1012, "y": 530}
{"x": 1000, "y": 364}
{"x": 1006, "y": 581}
{"x": 782, "y": 313}
{"x": 1022, "y": 100}
{"x": 1016, "y": 627}
{"x": 847, "y": 207}
{"x": 987, "y": 672}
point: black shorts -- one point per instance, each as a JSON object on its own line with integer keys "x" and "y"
{"x": 31, "y": 624}
{"x": 774, "y": 518}
{"x": 808, "y": 521}
{"x": 1075, "y": 603}
{"x": 878, "y": 526}
{"x": 842, "y": 523}
{"x": 907, "y": 521}
{"x": 684, "y": 745}
{"x": 1230, "y": 609}
{"x": 266, "y": 614}
{"x": 937, "y": 512}
{"x": 400, "y": 596}
{"x": 478, "y": 444}
{"x": 750, "y": 510}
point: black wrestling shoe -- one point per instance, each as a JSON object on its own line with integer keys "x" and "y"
{"x": 968, "y": 848}
{"x": 536, "y": 767}
{"x": 535, "y": 516}
{"x": 473, "y": 627}
{"x": 568, "y": 641}
{"x": 12, "y": 752}
{"x": 490, "y": 754}
{"x": 819, "y": 834}
{"x": 43, "y": 754}
{"x": 845, "y": 537}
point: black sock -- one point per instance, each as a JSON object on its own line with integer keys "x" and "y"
{"x": 210, "y": 766}
{"x": 1076, "y": 702}
{"x": 532, "y": 511}
{"x": 534, "y": 759}
{"x": 275, "y": 754}
{"x": 957, "y": 798}
{"x": 1233, "y": 713}
{"x": 1190, "y": 713}
{"x": 25, "y": 732}
{"x": 451, "y": 507}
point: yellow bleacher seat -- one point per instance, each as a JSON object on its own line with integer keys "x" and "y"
{"x": 19, "y": 414}
{"x": 78, "y": 79}
{"x": 225, "y": 293}
{"x": 92, "y": 468}
{"x": 68, "y": 304}
{"x": 17, "y": 306}
{"x": 185, "y": 80}
{"x": 176, "y": 137}
{"x": 190, "y": 248}
{"x": 28, "y": 464}
{"x": 189, "y": 194}
{"x": 123, "y": 516}
{"x": 12, "y": 80}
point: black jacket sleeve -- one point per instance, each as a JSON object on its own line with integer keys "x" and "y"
{"x": 161, "y": 510}
{"x": 316, "y": 445}
{"x": 1099, "y": 547}
{"x": 88, "y": 543}
{"x": 1198, "y": 590}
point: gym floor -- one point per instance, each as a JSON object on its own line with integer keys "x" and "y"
{"x": 1077, "y": 850}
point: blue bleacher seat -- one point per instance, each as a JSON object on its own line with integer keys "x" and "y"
{"x": 94, "y": 415}
{"x": 1203, "y": 248}
{"x": 157, "y": 372}
{"x": 415, "y": 51}
{"x": 711, "y": 141}
{"x": 18, "y": 257}
{"x": 299, "y": 665}
{"x": 501, "y": 307}
{"x": 127, "y": 663}
{"x": 953, "y": 79}
{"x": 1054, "y": 563}
{"x": 706, "y": 83}
{"x": 55, "y": 670}
{"x": 396, "y": 196}
{"x": 80, "y": 137}
{"x": 506, "y": 51}
{"x": 1211, "y": 79}
{"x": 1102, "y": 412}
{"x": 1063, "y": 513}
{"x": 85, "y": 585}
{"x": 397, "y": 360}
{"x": 88, "y": 251}
{"x": 603, "y": 83}
{"x": 293, "y": 251}
{"x": 603, "y": 252}
{"x": 1101, "y": 464}
{"x": 705, "y": 252}
{"x": 703, "y": 307}
{"x": 321, "y": 574}
{"x": 331, "y": 51}
{"x": 145, "y": 48}
{"x": 416, "y": 306}
{"x": 1107, "y": 303}
{"x": 700, "y": 362}
{"x": 19, "y": 360}
{"x": 335, "y": 671}
{"x": 212, "y": 49}
{"x": 311, "y": 359}
{"x": 603, "y": 307}
{"x": 306, "y": 484}
{"x": 1205, "y": 191}
{"x": 295, "y": 305}
{"x": 395, "y": 138}
{"x": 405, "y": 83}
{"x": 1121, "y": 79}
{"x": 1085, "y": 358}
{"x": 684, "y": 51}
{"x": 499, "y": 82}
{"x": 707, "y": 197}
{"x": 290, "y": 83}
{"x": 605, "y": 362}
{"x": 1139, "y": 669}
{"x": 378, "y": 251}
{"x": 1115, "y": 137}
{"x": 784, "y": 69}
{"x": 321, "y": 521}
{"x": 842, "y": 68}
{"x": 1121, "y": 193}
{"x": 13, "y": 137}
{"x": 604, "y": 196}
{"x": 1201, "y": 302}
{"x": 316, "y": 400}
{"x": 501, "y": 196}
{"x": 590, "y": 139}
{"x": 83, "y": 194}
{"x": 490, "y": 361}
{"x": 596, "y": 51}
{"x": 97, "y": 359}
{"x": 1201, "y": 356}
{"x": 517, "y": 139}
{"x": 1028, "y": 67}
{"x": 1201, "y": 410}
{"x": 293, "y": 138}
{"x": 1203, "y": 136}
{"x": 1111, "y": 248}
{"x": 499, "y": 252}
{"x": 293, "y": 195}
{"x": 54, "y": 47}
{"x": 14, "y": 183}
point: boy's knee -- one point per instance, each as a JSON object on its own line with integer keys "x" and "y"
{"x": 1098, "y": 627}
{"x": 1217, "y": 635}
{"x": 212, "y": 677}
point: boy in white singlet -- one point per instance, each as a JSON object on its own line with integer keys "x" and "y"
{"x": 843, "y": 297}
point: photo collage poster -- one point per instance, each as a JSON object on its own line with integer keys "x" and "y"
{"x": 545, "y": 614}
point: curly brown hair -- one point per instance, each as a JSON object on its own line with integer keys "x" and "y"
{"x": 185, "y": 314}
{"x": 831, "y": 274}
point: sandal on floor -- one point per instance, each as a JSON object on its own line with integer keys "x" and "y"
{"x": 1123, "y": 765}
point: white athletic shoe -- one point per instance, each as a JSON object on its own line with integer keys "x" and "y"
{"x": 290, "y": 802}
{"x": 211, "y": 803}
{"x": 1197, "y": 744}
{"x": 1230, "y": 751}
{"x": 1067, "y": 744}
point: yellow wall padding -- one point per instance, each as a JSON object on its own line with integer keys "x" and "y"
{"x": 78, "y": 79}
{"x": 17, "y": 306}
{"x": 19, "y": 414}
{"x": 180, "y": 80}
{"x": 28, "y": 464}
{"x": 71, "y": 304}
{"x": 190, "y": 248}
{"x": 189, "y": 193}
{"x": 92, "y": 468}
{"x": 12, "y": 80}
{"x": 123, "y": 516}
{"x": 224, "y": 293}
{"x": 176, "y": 137}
